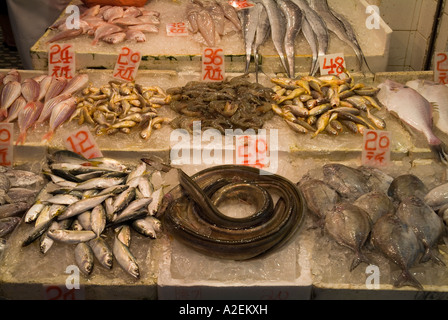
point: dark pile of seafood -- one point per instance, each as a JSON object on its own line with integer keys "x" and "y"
{"x": 234, "y": 103}
{"x": 95, "y": 204}
{"x": 366, "y": 209}
{"x": 17, "y": 187}
{"x": 330, "y": 104}
{"x": 120, "y": 107}
{"x": 42, "y": 99}
{"x": 110, "y": 24}
{"x": 191, "y": 212}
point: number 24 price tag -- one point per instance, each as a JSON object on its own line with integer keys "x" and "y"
{"x": 376, "y": 148}
{"x": 83, "y": 143}
{"x": 332, "y": 64}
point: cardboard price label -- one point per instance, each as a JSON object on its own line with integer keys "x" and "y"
{"x": 441, "y": 67}
{"x": 241, "y": 4}
{"x": 332, "y": 64}
{"x": 176, "y": 29}
{"x": 6, "y": 144}
{"x": 213, "y": 65}
{"x": 83, "y": 143}
{"x": 61, "y": 61}
{"x": 376, "y": 148}
{"x": 127, "y": 64}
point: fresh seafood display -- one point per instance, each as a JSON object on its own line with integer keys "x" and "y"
{"x": 120, "y": 107}
{"x": 326, "y": 104}
{"x": 88, "y": 202}
{"x": 42, "y": 99}
{"x": 191, "y": 212}
{"x": 234, "y": 103}
{"x": 400, "y": 217}
{"x": 211, "y": 20}
{"x": 414, "y": 110}
{"x": 109, "y": 24}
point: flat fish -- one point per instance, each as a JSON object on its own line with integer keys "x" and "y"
{"x": 349, "y": 182}
{"x": 437, "y": 95}
{"x": 405, "y": 186}
{"x": 7, "y": 225}
{"x": 413, "y": 109}
{"x": 397, "y": 242}
{"x": 319, "y": 196}
{"x": 437, "y": 197}
{"x": 376, "y": 204}
{"x": 350, "y": 226}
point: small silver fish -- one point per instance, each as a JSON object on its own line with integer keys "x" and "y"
{"x": 71, "y": 236}
{"x": 102, "y": 252}
{"x": 125, "y": 258}
{"x": 84, "y": 258}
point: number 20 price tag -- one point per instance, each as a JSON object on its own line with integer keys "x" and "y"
{"x": 83, "y": 143}
{"x": 376, "y": 148}
{"x": 441, "y": 67}
{"x": 332, "y": 64}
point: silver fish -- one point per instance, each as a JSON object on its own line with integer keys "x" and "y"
{"x": 437, "y": 197}
{"x": 98, "y": 219}
{"x": 426, "y": 224}
{"x": 375, "y": 204}
{"x": 250, "y": 22}
{"x": 23, "y": 178}
{"x": 65, "y": 199}
{"x": 85, "y": 220}
{"x": 99, "y": 183}
{"x": 144, "y": 227}
{"x": 414, "y": 110}
{"x": 10, "y": 93}
{"x": 71, "y": 236}
{"x": 125, "y": 258}
{"x": 84, "y": 258}
{"x": 319, "y": 196}
{"x": 261, "y": 36}
{"x": 139, "y": 170}
{"x": 349, "y": 182}
{"x": 311, "y": 38}
{"x": 294, "y": 18}
{"x": 350, "y": 226}
{"x": 278, "y": 29}
{"x": 397, "y": 242}
{"x": 123, "y": 199}
{"x": 123, "y": 233}
{"x": 82, "y": 206}
{"x": 132, "y": 208}
{"x": 102, "y": 252}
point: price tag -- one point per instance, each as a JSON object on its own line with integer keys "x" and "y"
{"x": 61, "y": 60}
{"x": 332, "y": 64}
{"x": 127, "y": 64}
{"x": 83, "y": 143}
{"x": 176, "y": 29}
{"x": 441, "y": 67}
{"x": 6, "y": 144}
{"x": 213, "y": 65}
{"x": 241, "y": 4}
{"x": 376, "y": 148}
{"x": 61, "y": 292}
{"x": 252, "y": 151}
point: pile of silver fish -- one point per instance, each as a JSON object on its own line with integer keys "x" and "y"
{"x": 235, "y": 103}
{"x": 284, "y": 20}
{"x": 110, "y": 24}
{"x": 17, "y": 187}
{"x": 415, "y": 111}
{"x": 120, "y": 107}
{"x": 190, "y": 212}
{"x": 211, "y": 20}
{"x": 364, "y": 207}
{"x": 41, "y": 99}
{"x": 84, "y": 199}
{"x": 329, "y": 104}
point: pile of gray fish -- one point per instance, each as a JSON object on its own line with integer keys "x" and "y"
{"x": 284, "y": 20}
{"x": 211, "y": 20}
{"x": 41, "y": 99}
{"x": 110, "y": 24}
{"x": 86, "y": 198}
{"x": 359, "y": 207}
{"x": 17, "y": 187}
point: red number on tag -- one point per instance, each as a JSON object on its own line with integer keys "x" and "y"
{"x": 127, "y": 64}
{"x": 61, "y": 61}
{"x": 213, "y": 65}
{"x": 376, "y": 148}
{"x": 83, "y": 143}
{"x": 441, "y": 72}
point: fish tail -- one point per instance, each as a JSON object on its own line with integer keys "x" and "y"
{"x": 429, "y": 255}
{"x": 3, "y": 113}
{"x": 48, "y": 136}
{"x": 406, "y": 278}
{"x": 360, "y": 257}
{"x": 21, "y": 139}
{"x": 442, "y": 152}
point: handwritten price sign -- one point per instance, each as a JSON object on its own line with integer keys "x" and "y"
{"x": 332, "y": 64}
{"x": 252, "y": 151}
{"x": 441, "y": 67}
{"x": 176, "y": 29}
{"x": 61, "y": 61}
{"x": 241, "y": 4}
{"x": 376, "y": 148}
{"x": 213, "y": 65}
{"x": 6, "y": 144}
{"x": 52, "y": 292}
{"x": 83, "y": 143}
{"x": 127, "y": 64}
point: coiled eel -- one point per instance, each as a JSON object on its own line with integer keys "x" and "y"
{"x": 190, "y": 212}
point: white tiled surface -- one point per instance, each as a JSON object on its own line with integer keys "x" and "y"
{"x": 412, "y": 23}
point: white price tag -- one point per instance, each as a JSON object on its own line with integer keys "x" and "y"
{"x": 82, "y": 142}
{"x": 61, "y": 61}
{"x": 441, "y": 67}
{"x": 176, "y": 29}
{"x": 127, "y": 64}
{"x": 332, "y": 64}
{"x": 376, "y": 148}
{"x": 213, "y": 65}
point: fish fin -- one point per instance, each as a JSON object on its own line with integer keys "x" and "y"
{"x": 429, "y": 255}
{"x": 48, "y": 136}
{"x": 21, "y": 139}
{"x": 406, "y": 278}
{"x": 360, "y": 257}
{"x": 442, "y": 152}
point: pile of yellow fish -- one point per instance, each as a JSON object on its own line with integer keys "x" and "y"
{"x": 331, "y": 104}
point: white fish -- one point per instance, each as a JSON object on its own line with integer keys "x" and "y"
{"x": 437, "y": 95}
{"x": 105, "y": 30}
{"x": 413, "y": 109}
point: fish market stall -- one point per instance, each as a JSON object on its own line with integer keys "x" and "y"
{"x": 184, "y": 53}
